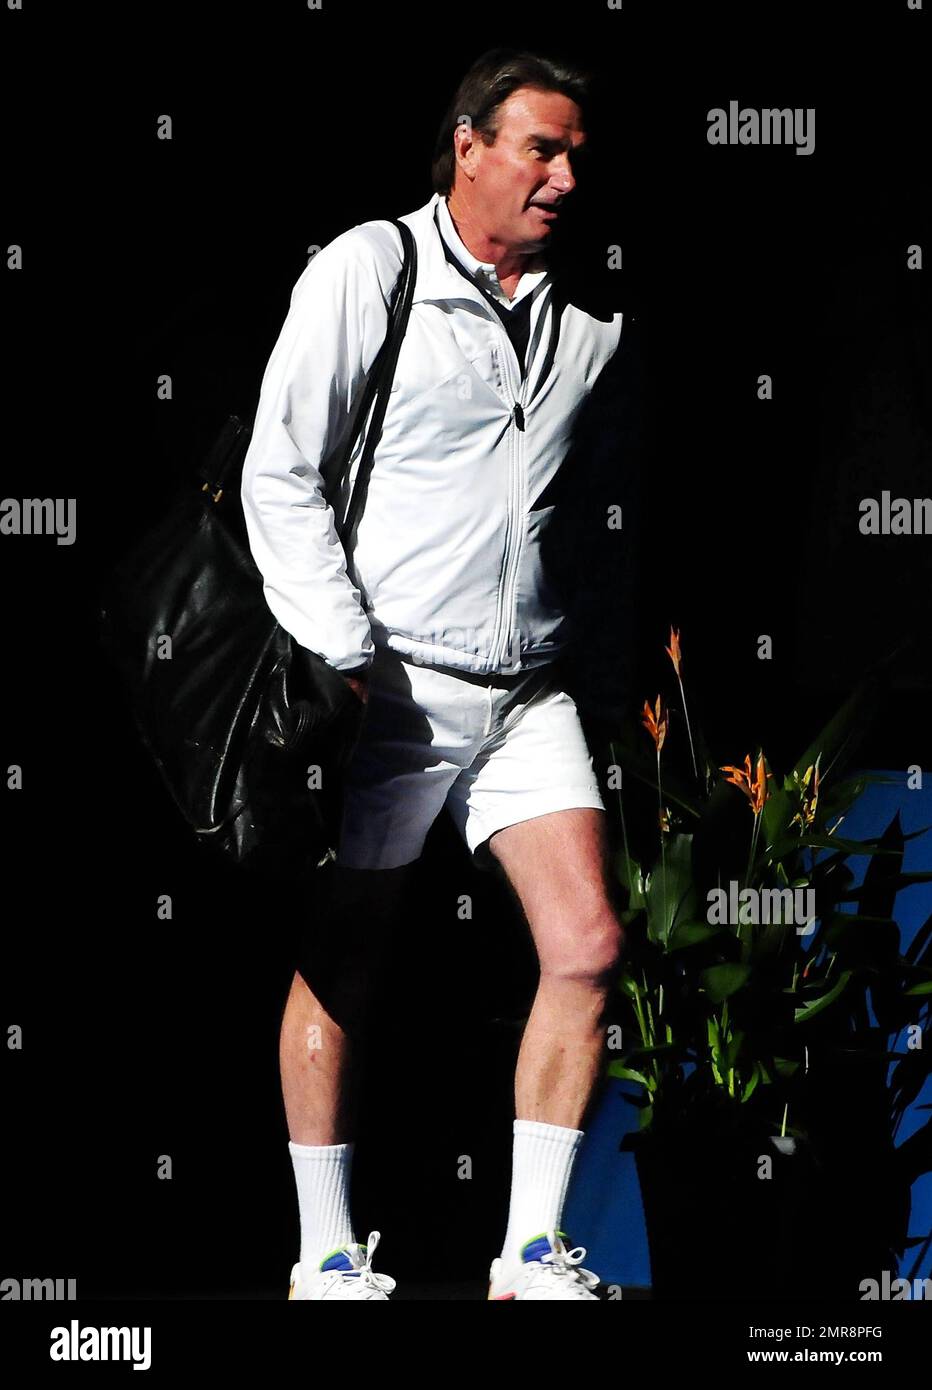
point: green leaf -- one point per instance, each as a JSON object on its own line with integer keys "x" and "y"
{"x": 770, "y": 939}
{"x": 722, "y": 980}
{"x": 623, "y": 1073}
{"x": 671, "y": 893}
{"x": 629, "y": 986}
{"x": 751, "y": 1087}
{"x": 807, "y": 1011}
{"x": 690, "y": 934}
{"x": 628, "y": 873}
{"x": 789, "y": 843}
{"x": 714, "y": 1048}
{"x": 778, "y": 812}
{"x": 924, "y": 988}
{"x": 733, "y": 1048}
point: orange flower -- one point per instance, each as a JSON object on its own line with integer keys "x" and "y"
{"x": 673, "y": 651}
{"x": 754, "y": 788}
{"x": 657, "y": 723}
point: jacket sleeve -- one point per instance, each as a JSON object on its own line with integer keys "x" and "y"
{"x": 335, "y": 326}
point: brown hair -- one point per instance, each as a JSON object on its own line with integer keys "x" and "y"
{"x": 490, "y": 82}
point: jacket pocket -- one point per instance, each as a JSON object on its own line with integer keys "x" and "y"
{"x": 540, "y": 597}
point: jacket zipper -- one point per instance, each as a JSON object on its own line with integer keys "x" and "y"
{"x": 515, "y": 510}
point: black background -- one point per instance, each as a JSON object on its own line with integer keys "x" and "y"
{"x": 142, "y": 257}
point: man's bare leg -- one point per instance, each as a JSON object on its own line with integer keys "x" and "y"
{"x": 319, "y": 1046}
{"x": 322, "y": 1036}
{"x": 557, "y": 866}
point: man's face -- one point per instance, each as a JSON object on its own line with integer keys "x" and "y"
{"x": 516, "y": 186}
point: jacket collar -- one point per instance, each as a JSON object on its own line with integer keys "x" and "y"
{"x": 436, "y": 277}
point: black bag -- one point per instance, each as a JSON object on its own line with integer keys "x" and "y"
{"x": 250, "y": 731}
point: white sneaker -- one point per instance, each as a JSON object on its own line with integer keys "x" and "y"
{"x": 347, "y": 1273}
{"x": 546, "y": 1270}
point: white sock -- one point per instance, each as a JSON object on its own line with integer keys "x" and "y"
{"x": 541, "y": 1168}
{"x": 322, "y": 1175}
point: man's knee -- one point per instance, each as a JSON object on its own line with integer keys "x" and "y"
{"x": 342, "y": 948}
{"x": 583, "y": 945}
{"x": 342, "y": 976}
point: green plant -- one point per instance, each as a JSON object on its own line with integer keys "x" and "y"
{"x": 747, "y": 978}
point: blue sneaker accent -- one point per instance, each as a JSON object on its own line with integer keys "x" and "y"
{"x": 539, "y": 1246}
{"x": 341, "y": 1261}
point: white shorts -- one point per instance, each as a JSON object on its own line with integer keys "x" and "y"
{"x": 494, "y": 749}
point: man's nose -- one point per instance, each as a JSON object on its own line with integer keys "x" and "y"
{"x": 561, "y": 179}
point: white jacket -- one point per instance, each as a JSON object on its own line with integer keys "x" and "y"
{"x": 447, "y": 550}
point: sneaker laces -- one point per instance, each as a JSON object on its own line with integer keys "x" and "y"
{"x": 566, "y": 1264}
{"x": 364, "y": 1277}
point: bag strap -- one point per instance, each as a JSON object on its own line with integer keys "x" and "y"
{"x": 378, "y": 386}
{"x": 218, "y": 470}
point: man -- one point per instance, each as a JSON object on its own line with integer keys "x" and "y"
{"x": 447, "y": 635}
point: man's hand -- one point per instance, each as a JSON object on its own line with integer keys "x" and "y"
{"x": 359, "y": 685}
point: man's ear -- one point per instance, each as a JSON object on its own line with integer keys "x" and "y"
{"x": 464, "y": 146}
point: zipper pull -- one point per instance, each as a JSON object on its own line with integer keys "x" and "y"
{"x": 519, "y": 416}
